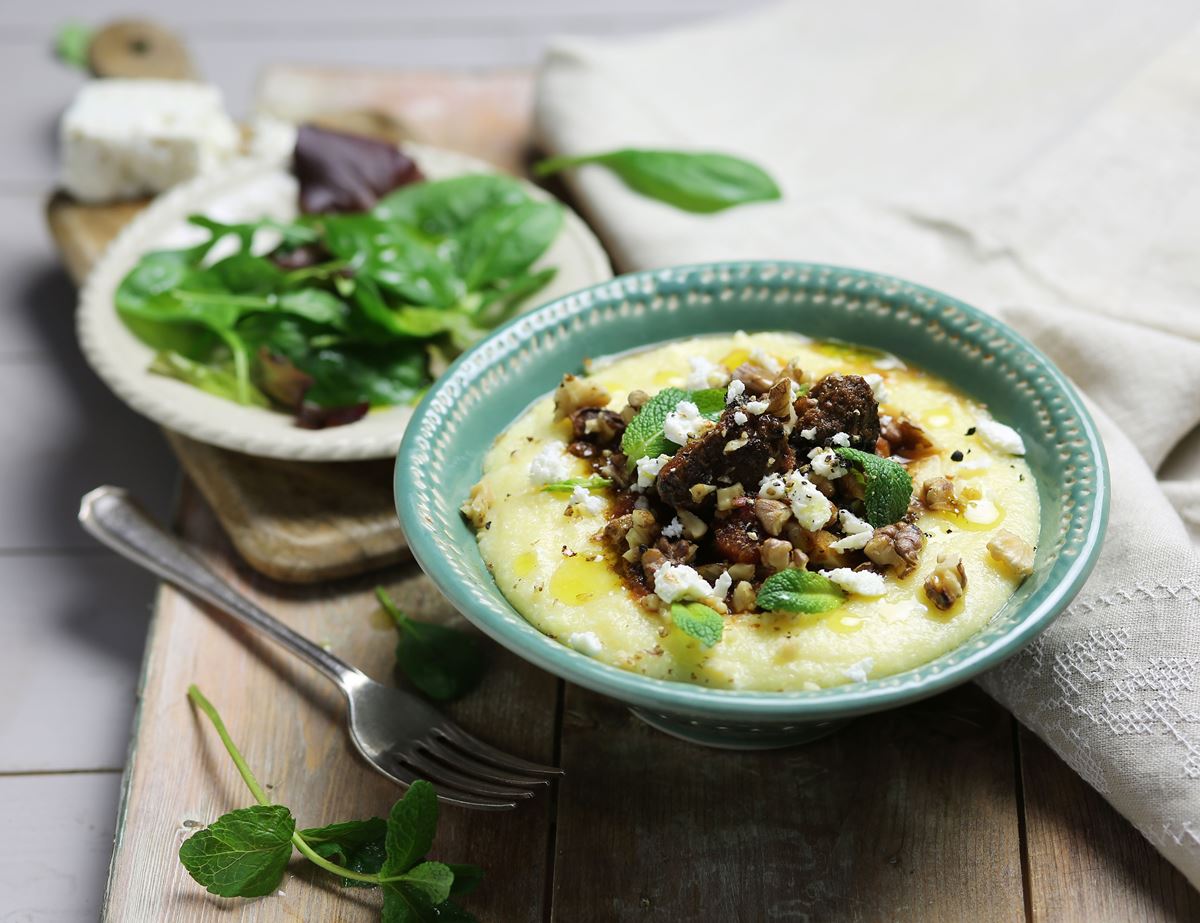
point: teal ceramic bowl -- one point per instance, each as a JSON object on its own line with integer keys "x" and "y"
{"x": 444, "y": 445}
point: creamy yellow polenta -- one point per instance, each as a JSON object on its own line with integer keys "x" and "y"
{"x": 557, "y": 573}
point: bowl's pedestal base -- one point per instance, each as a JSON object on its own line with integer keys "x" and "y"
{"x": 738, "y": 736}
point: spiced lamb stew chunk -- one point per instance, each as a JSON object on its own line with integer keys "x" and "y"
{"x": 837, "y": 404}
{"x": 728, "y": 453}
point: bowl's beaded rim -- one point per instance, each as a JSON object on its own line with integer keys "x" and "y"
{"x": 1061, "y": 416}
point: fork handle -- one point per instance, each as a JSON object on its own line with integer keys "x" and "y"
{"x": 119, "y": 521}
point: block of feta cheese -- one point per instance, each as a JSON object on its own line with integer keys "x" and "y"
{"x": 126, "y": 138}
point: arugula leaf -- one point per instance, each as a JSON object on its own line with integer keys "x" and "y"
{"x": 567, "y": 486}
{"x": 795, "y": 590}
{"x": 215, "y": 379}
{"x": 242, "y": 853}
{"x": 359, "y": 845}
{"x": 698, "y": 620}
{"x": 71, "y": 44}
{"x": 644, "y": 437}
{"x": 695, "y": 182}
{"x": 889, "y": 485}
{"x": 444, "y": 663}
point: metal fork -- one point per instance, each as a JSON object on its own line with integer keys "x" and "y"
{"x": 399, "y": 734}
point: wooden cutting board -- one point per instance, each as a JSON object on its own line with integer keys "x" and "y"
{"x": 304, "y": 522}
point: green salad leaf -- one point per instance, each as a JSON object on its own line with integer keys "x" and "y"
{"x": 699, "y": 621}
{"x": 694, "y": 182}
{"x": 795, "y": 590}
{"x": 567, "y": 486}
{"x": 889, "y": 486}
{"x": 444, "y": 663}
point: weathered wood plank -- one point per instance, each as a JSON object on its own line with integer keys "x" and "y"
{"x": 908, "y": 815}
{"x": 1086, "y": 863}
{"x": 290, "y": 722}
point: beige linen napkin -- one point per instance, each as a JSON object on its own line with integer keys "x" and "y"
{"x": 1039, "y": 161}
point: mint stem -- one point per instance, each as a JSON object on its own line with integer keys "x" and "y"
{"x": 402, "y": 621}
{"x": 260, "y": 795}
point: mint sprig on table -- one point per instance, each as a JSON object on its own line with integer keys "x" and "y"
{"x": 245, "y": 853}
{"x": 644, "y": 438}
{"x": 694, "y": 182}
{"x": 795, "y": 590}
{"x": 699, "y": 621}
{"x": 569, "y": 485}
{"x": 889, "y": 486}
{"x": 442, "y": 662}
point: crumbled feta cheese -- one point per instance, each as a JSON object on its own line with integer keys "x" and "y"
{"x": 673, "y": 529}
{"x": 678, "y": 581}
{"x": 857, "y": 532}
{"x": 757, "y": 407}
{"x": 641, "y": 503}
{"x": 826, "y": 463}
{"x": 859, "y": 672}
{"x": 982, "y": 512}
{"x": 810, "y": 507}
{"x": 859, "y": 582}
{"x": 974, "y": 464}
{"x": 842, "y": 439}
{"x": 647, "y": 470}
{"x": 810, "y": 433}
{"x": 685, "y": 422}
{"x": 722, "y": 585}
{"x": 772, "y": 487}
{"x": 586, "y": 642}
{"x": 740, "y": 418}
{"x": 878, "y": 388}
{"x": 737, "y": 388}
{"x": 126, "y": 138}
{"x": 766, "y": 361}
{"x": 550, "y": 464}
{"x": 705, "y": 374}
{"x": 1000, "y": 437}
{"x": 581, "y": 496}
{"x": 809, "y": 686}
{"x": 887, "y": 362}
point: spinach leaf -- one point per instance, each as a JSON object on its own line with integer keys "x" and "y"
{"x": 695, "y": 182}
{"x": 242, "y": 853}
{"x": 395, "y": 258}
{"x": 504, "y": 240}
{"x": 505, "y": 297}
{"x": 443, "y": 208}
{"x": 444, "y": 663}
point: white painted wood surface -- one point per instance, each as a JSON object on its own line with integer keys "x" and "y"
{"x": 72, "y": 617}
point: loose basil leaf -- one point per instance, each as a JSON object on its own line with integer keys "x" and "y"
{"x": 795, "y": 590}
{"x": 242, "y": 853}
{"x": 444, "y": 663}
{"x": 698, "y": 620}
{"x": 695, "y": 182}
{"x": 889, "y": 486}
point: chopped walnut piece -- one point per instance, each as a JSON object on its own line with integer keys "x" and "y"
{"x": 741, "y": 571}
{"x": 793, "y": 371}
{"x": 897, "y": 546}
{"x": 574, "y": 394}
{"x": 938, "y": 494}
{"x": 734, "y": 445}
{"x": 779, "y": 399}
{"x": 772, "y": 514}
{"x": 477, "y": 505}
{"x": 726, "y": 496}
{"x": 776, "y": 555}
{"x": 1013, "y": 552}
{"x": 652, "y": 560}
{"x": 592, "y": 424}
{"x": 650, "y": 602}
{"x": 756, "y": 378}
{"x": 680, "y": 552}
{"x": 700, "y": 491}
{"x": 637, "y": 398}
{"x": 905, "y": 438}
{"x": 946, "y": 585}
{"x": 819, "y": 548}
{"x": 799, "y": 559}
{"x": 744, "y": 596}
{"x": 693, "y": 525}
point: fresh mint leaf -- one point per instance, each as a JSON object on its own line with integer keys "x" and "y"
{"x": 795, "y": 590}
{"x": 358, "y": 845}
{"x": 889, "y": 486}
{"x": 644, "y": 437}
{"x": 698, "y": 620}
{"x": 433, "y": 879}
{"x": 695, "y": 182}
{"x": 567, "y": 486}
{"x": 410, "y": 829}
{"x": 242, "y": 853}
{"x": 71, "y": 44}
{"x": 444, "y": 663}
{"x": 466, "y": 878}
